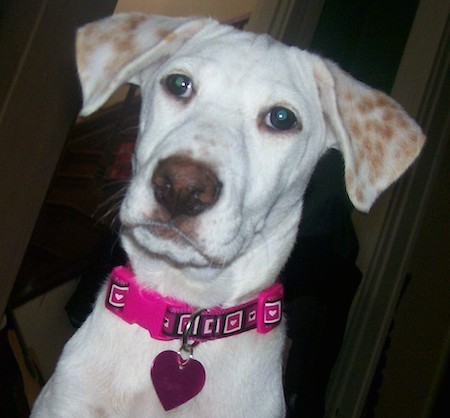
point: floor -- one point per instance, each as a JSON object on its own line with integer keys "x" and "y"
{"x": 44, "y": 329}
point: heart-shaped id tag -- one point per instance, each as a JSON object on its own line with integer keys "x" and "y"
{"x": 176, "y": 380}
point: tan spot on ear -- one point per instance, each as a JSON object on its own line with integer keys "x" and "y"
{"x": 355, "y": 129}
{"x": 163, "y": 32}
{"x": 384, "y": 130}
{"x": 125, "y": 53}
{"x": 124, "y": 39}
{"x": 349, "y": 180}
{"x": 131, "y": 24}
{"x": 400, "y": 120}
{"x": 409, "y": 150}
{"x": 372, "y": 153}
{"x": 402, "y": 153}
{"x": 384, "y": 101}
{"x": 366, "y": 151}
{"x": 359, "y": 195}
{"x": 81, "y": 60}
{"x": 376, "y": 159}
{"x": 370, "y": 125}
{"x": 381, "y": 130}
{"x": 124, "y": 44}
{"x": 357, "y": 166}
{"x": 379, "y": 148}
{"x": 349, "y": 96}
{"x": 367, "y": 104}
{"x": 87, "y": 40}
{"x": 388, "y": 116}
{"x": 166, "y": 34}
{"x": 414, "y": 136}
{"x": 91, "y": 31}
{"x": 361, "y": 156}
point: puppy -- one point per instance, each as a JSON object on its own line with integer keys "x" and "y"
{"x": 231, "y": 127}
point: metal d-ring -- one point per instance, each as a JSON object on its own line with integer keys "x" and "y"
{"x": 185, "y": 345}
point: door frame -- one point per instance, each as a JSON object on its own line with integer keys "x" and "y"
{"x": 388, "y": 233}
{"x": 392, "y": 228}
{"x": 39, "y": 101}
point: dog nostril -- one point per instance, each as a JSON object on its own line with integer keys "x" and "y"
{"x": 184, "y": 186}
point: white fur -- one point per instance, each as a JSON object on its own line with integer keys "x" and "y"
{"x": 228, "y": 253}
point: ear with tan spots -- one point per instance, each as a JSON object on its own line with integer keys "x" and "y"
{"x": 378, "y": 139}
{"x": 112, "y": 51}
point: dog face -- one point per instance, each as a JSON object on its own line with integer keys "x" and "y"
{"x": 232, "y": 125}
{"x": 258, "y": 141}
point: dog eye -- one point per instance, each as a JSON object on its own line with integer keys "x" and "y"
{"x": 281, "y": 119}
{"x": 179, "y": 85}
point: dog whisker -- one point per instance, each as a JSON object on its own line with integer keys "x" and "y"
{"x": 129, "y": 129}
{"x": 110, "y": 207}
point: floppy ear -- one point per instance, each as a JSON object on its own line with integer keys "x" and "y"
{"x": 378, "y": 139}
{"x": 113, "y": 50}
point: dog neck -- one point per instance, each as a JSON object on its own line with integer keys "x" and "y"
{"x": 165, "y": 318}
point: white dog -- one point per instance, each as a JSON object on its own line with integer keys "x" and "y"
{"x": 232, "y": 125}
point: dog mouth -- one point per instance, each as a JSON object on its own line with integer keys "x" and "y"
{"x": 183, "y": 217}
{"x": 170, "y": 231}
{"x": 167, "y": 240}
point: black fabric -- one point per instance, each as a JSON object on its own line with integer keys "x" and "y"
{"x": 81, "y": 302}
{"x": 13, "y": 401}
{"x": 320, "y": 281}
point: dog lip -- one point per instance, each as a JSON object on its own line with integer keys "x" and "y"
{"x": 168, "y": 232}
{"x": 162, "y": 229}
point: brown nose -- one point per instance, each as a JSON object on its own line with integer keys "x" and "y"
{"x": 184, "y": 186}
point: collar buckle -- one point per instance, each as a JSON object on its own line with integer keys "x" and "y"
{"x": 125, "y": 299}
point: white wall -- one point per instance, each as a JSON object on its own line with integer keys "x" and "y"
{"x": 219, "y": 9}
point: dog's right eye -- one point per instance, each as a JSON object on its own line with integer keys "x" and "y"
{"x": 281, "y": 119}
{"x": 179, "y": 85}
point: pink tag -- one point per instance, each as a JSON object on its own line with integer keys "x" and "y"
{"x": 176, "y": 381}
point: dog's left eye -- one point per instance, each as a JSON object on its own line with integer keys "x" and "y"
{"x": 281, "y": 119}
{"x": 179, "y": 85}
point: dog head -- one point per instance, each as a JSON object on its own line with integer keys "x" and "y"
{"x": 232, "y": 125}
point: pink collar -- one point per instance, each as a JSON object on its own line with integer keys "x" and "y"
{"x": 165, "y": 318}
